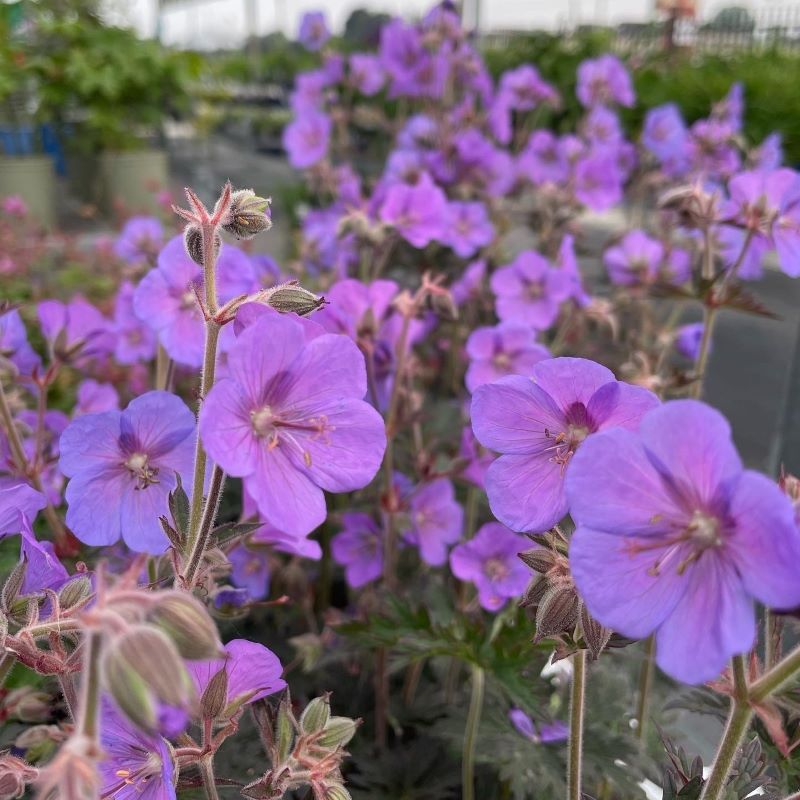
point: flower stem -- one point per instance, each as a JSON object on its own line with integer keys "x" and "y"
{"x": 576, "y": 707}
{"x": 645, "y": 686}
{"x": 471, "y": 734}
{"x": 200, "y": 544}
{"x": 206, "y": 766}
{"x": 709, "y": 318}
{"x": 738, "y": 722}
{"x": 780, "y": 674}
{"x": 87, "y": 722}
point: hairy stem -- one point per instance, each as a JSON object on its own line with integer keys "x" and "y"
{"x": 783, "y": 672}
{"x": 198, "y": 548}
{"x": 67, "y": 684}
{"x": 576, "y": 708}
{"x": 206, "y": 766}
{"x": 87, "y": 722}
{"x": 738, "y": 722}
{"x": 645, "y": 687}
{"x": 709, "y": 318}
{"x": 471, "y": 734}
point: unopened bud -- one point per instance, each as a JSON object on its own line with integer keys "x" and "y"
{"x": 284, "y": 731}
{"x": 337, "y": 792}
{"x": 247, "y": 214}
{"x": 15, "y": 774}
{"x": 142, "y": 667}
{"x": 557, "y": 612}
{"x": 28, "y": 705}
{"x": 187, "y": 623}
{"x": 291, "y": 298}
{"x": 215, "y": 697}
{"x": 75, "y": 592}
{"x": 338, "y": 732}
{"x": 13, "y": 585}
{"x": 316, "y": 714}
{"x": 193, "y": 242}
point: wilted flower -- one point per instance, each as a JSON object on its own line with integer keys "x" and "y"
{"x": 537, "y": 424}
{"x": 122, "y": 466}
{"x": 686, "y": 537}
{"x": 491, "y": 561}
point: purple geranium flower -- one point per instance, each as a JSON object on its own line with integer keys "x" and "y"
{"x": 529, "y": 290}
{"x": 556, "y": 731}
{"x": 604, "y": 80}
{"x": 253, "y": 672}
{"x": 598, "y": 181}
{"x": 165, "y": 298}
{"x": 537, "y": 424}
{"x": 417, "y": 212}
{"x": 250, "y": 570}
{"x": 477, "y": 459}
{"x": 94, "y": 397}
{"x": 306, "y": 138}
{"x": 18, "y": 503}
{"x": 491, "y": 561}
{"x": 467, "y": 228}
{"x": 768, "y": 205}
{"x": 543, "y": 160}
{"x": 675, "y": 537}
{"x": 44, "y": 570}
{"x": 635, "y": 260}
{"x": 140, "y": 240}
{"x": 435, "y": 519}
{"x": 14, "y": 345}
{"x": 506, "y": 349}
{"x": 366, "y": 73}
{"x": 135, "y": 340}
{"x": 76, "y": 330}
{"x": 688, "y": 339}
{"x": 291, "y": 421}
{"x": 314, "y": 31}
{"x": 123, "y": 466}
{"x": 138, "y": 765}
{"x": 470, "y": 285}
{"x": 567, "y": 262}
{"x": 664, "y": 133}
{"x": 359, "y": 549}
{"x": 769, "y": 154}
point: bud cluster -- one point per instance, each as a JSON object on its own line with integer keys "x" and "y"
{"x": 304, "y": 753}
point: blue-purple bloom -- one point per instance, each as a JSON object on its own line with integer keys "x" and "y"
{"x": 635, "y": 260}
{"x": 14, "y": 346}
{"x": 140, "y": 240}
{"x": 306, "y": 138}
{"x": 491, "y": 561}
{"x": 537, "y": 425}
{"x": 544, "y": 733}
{"x": 685, "y": 538}
{"x": 604, "y": 80}
{"x": 417, "y": 212}
{"x": 76, "y": 331}
{"x": 314, "y": 31}
{"x": 467, "y": 227}
{"x": 122, "y": 467}
{"x": 94, "y": 397}
{"x": 688, "y": 339}
{"x": 250, "y": 570}
{"x": 290, "y": 420}
{"x": 136, "y": 340}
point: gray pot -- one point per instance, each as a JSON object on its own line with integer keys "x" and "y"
{"x": 33, "y": 179}
{"x": 134, "y": 179}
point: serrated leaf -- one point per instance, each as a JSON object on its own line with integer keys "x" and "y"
{"x": 229, "y": 531}
{"x": 179, "y": 508}
{"x": 741, "y": 299}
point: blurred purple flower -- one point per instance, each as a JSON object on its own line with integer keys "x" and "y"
{"x": 366, "y": 73}
{"x": 542, "y": 160}
{"x": 685, "y": 537}
{"x": 94, "y": 397}
{"x": 598, "y": 182}
{"x": 538, "y": 424}
{"x": 290, "y": 421}
{"x": 490, "y": 560}
{"x": 604, "y": 80}
{"x": 135, "y": 340}
{"x": 140, "y": 240}
{"x": 14, "y": 346}
{"x": 467, "y": 227}
{"x": 306, "y": 138}
{"x": 359, "y": 549}
{"x": 435, "y": 519}
{"x": 556, "y": 731}
{"x": 505, "y": 349}
{"x": 253, "y": 672}
{"x": 567, "y": 262}
{"x": 44, "y": 570}
{"x": 122, "y": 467}
{"x": 250, "y": 570}
{"x": 477, "y": 459}
{"x": 138, "y": 765}
{"x": 166, "y": 301}
{"x": 417, "y": 212}
{"x": 76, "y": 331}
{"x": 314, "y": 31}
{"x": 688, "y": 339}
{"x": 470, "y": 285}
{"x": 769, "y": 154}
{"x": 18, "y": 503}
{"x": 664, "y": 133}
{"x": 635, "y": 260}
{"x": 529, "y": 290}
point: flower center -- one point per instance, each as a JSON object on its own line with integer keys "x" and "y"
{"x": 495, "y": 569}
{"x": 263, "y": 421}
{"x": 703, "y": 531}
{"x": 276, "y": 430}
{"x": 502, "y": 361}
{"x": 139, "y": 467}
{"x": 534, "y": 291}
{"x": 188, "y": 299}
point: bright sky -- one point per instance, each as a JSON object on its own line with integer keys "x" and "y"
{"x": 219, "y": 23}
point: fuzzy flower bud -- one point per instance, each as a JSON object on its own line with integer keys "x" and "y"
{"x": 316, "y": 714}
{"x": 75, "y": 592}
{"x": 142, "y": 668}
{"x": 187, "y": 623}
{"x": 14, "y": 775}
{"x": 193, "y": 242}
{"x": 338, "y": 732}
{"x": 291, "y": 298}
{"x": 247, "y": 214}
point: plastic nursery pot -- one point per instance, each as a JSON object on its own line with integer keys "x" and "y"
{"x": 33, "y": 179}
{"x": 133, "y": 179}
